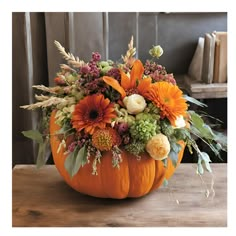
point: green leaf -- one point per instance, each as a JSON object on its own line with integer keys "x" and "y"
{"x": 75, "y": 160}
{"x": 164, "y": 161}
{"x": 174, "y": 151}
{"x": 34, "y": 135}
{"x": 42, "y": 155}
{"x": 200, "y": 169}
{"x": 205, "y": 157}
{"x": 196, "y": 119}
{"x": 203, "y": 160}
{"x": 173, "y": 157}
{"x": 176, "y": 147}
{"x": 165, "y": 182}
{"x": 194, "y": 101}
{"x": 199, "y": 127}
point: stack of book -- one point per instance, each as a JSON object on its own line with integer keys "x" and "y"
{"x": 209, "y": 63}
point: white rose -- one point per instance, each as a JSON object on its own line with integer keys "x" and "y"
{"x": 180, "y": 122}
{"x": 134, "y": 103}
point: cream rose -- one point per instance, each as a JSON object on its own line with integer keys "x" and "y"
{"x": 180, "y": 122}
{"x": 134, "y": 103}
{"x": 158, "y": 147}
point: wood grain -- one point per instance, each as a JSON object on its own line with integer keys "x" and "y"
{"x": 203, "y": 90}
{"x": 42, "y": 198}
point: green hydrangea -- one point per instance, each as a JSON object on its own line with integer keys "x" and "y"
{"x": 143, "y": 130}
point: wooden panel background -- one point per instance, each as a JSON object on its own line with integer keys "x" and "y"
{"x": 36, "y": 60}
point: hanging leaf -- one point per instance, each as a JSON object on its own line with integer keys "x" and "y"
{"x": 200, "y": 169}
{"x": 165, "y": 182}
{"x": 173, "y": 157}
{"x": 42, "y": 153}
{"x": 174, "y": 151}
{"x": 199, "y": 127}
{"x": 164, "y": 161}
{"x": 194, "y": 101}
{"x": 75, "y": 160}
{"x": 203, "y": 160}
{"x": 34, "y": 135}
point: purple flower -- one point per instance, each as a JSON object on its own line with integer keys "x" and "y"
{"x": 72, "y": 146}
{"x": 85, "y": 69}
{"x": 115, "y": 73}
{"x": 96, "y": 56}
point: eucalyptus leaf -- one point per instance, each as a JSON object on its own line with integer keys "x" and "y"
{"x": 200, "y": 169}
{"x": 70, "y": 160}
{"x": 207, "y": 166}
{"x": 42, "y": 153}
{"x": 165, "y": 182}
{"x": 164, "y": 161}
{"x": 174, "y": 157}
{"x": 34, "y": 135}
{"x": 75, "y": 160}
{"x": 194, "y": 101}
{"x": 196, "y": 119}
{"x": 199, "y": 128}
{"x": 176, "y": 147}
{"x": 205, "y": 157}
{"x": 203, "y": 160}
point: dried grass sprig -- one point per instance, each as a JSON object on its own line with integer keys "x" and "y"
{"x": 50, "y": 102}
{"x": 129, "y": 56}
{"x": 41, "y": 97}
{"x": 52, "y": 90}
{"x": 45, "y": 89}
{"x": 66, "y": 67}
{"x": 75, "y": 61}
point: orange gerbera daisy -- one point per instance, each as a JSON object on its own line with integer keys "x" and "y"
{"x": 130, "y": 85}
{"x": 168, "y": 98}
{"x": 92, "y": 112}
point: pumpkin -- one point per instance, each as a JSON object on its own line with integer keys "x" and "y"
{"x": 134, "y": 178}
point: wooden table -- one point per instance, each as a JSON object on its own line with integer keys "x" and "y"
{"x": 42, "y": 198}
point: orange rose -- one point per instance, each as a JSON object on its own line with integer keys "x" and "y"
{"x": 158, "y": 147}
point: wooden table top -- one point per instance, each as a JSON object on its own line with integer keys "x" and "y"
{"x": 42, "y": 198}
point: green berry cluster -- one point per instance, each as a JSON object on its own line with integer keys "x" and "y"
{"x": 166, "y": 128}
{"x": 135, "y": 147}
{"x": 105, "y": 66}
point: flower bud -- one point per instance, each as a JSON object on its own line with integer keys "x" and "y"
{"x": 156, "y": 51}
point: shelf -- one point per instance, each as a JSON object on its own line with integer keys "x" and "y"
{"x": 202, "y": 90}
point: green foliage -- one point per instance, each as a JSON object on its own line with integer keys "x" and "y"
{"x": 75, "y": 160}
{"x": 181, "y": 134}
{"x": 43, "y": 156}
{"x": 34, "y": 135}
{"x": 166, "y": 128}
{"x": 174, "y": 151}
{"x": 165, "y": 182}
{"x": 203, "y": 162}
{"x": 199, "y": 127}
{"x": 194, "y": 101}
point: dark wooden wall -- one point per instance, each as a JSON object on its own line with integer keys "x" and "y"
{"x": 36, "y": 60}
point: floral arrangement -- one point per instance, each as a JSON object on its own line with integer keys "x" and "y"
{"x": 116, "y": 106}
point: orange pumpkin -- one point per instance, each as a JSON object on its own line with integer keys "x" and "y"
{"x": 134, "y": 178}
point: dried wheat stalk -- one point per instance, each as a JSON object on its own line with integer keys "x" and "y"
{"x": 74, "y": 61}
